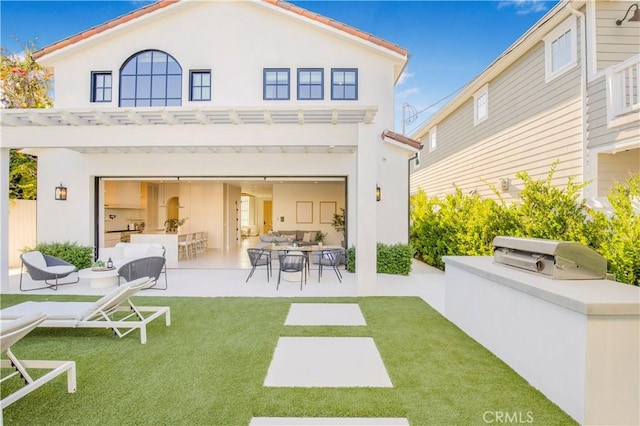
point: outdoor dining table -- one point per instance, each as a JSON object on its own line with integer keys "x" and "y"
{"x": 306, "y": 250}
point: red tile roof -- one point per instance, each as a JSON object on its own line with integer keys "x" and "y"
{"x": 402, "y": 139}
{"x": 160, "y": 4}
{"x": 103, "y": 27}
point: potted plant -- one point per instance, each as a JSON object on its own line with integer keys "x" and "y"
{"x": 172, "y": 225}
{"x": 338, "y": 224}
{"x": 319, "y": 238}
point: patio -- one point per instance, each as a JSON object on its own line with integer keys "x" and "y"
{"x": 223, "y": 274}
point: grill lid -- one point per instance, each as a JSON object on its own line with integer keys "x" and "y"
{"x": 566, "y": 260}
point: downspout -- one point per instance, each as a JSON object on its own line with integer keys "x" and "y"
{"x": 409, "y": 196}
{"x": 583, "y": 94}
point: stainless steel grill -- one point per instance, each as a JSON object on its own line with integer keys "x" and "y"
{"x": 561, "y": 260}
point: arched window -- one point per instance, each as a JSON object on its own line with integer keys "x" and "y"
{"x": 151, "y": 78}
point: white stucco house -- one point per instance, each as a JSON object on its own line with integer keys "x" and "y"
{"x": 202, "y": 101}
{"x": 567, "y": 90}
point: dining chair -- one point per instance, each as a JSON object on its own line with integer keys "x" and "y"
{"x": 331, "y": 258}
{"x": 259, "y": 257}
{"x": 293, "y": 263}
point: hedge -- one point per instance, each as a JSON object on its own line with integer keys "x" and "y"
{"x": 390, "y": 259}
{"x": 79, "y": 256}
{"x": 465, "y": 225}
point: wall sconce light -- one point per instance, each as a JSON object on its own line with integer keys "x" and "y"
{"x": 504, "y": 184}
{"x": 634, "y": 18}
{"x": 61, "y": 192}
{"x": 378, "y": 193}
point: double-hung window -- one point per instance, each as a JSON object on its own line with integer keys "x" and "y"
{"x": 561, "y": 50}
{"x": 101, "y": 85}
{"x": 344, "y": 84}
{"x": 310, "y": 83}
{"x": 276, "y": 84}
{"x": 200, "y": 85}
{"x": 481, "y": 105}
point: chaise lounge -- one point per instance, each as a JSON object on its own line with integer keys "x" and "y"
{"x": 104, "y": 313}
{"x": 10, "y": 333}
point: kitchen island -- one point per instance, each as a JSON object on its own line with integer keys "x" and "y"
{"x": 169, "y": 241}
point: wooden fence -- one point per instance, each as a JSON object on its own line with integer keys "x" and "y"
{"x": 22, "y": 228}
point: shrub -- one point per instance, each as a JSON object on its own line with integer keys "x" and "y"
{"x": 390, "y": 259}
{"x": 79, "y": 256}
{"x": 459, "y": 225}
{"x": 617, "y": 237}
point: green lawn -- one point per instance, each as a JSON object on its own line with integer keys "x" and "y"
{"x": 209, "y": 366}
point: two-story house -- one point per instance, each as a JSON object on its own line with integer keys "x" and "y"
{"x": 200, "y": 101}
{"x": 567, "y": 90}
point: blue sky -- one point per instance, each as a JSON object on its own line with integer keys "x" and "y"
{"x": 449, "y": 42}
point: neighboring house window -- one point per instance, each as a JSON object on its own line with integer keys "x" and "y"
{"x": 481, "y": 105}
{"x": 561, "y": 50}
{"x": 151, "y": 78}
{"x": 433, "y": 142}
{"x": 200, "y": 85}
{"x": 101, "y": 86}
{"x": 276, "y": 84}
{"x": 344, "y": 84}
{"x": 310, "y": 84}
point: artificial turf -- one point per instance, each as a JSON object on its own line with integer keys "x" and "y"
{"x": 208, "y": 368}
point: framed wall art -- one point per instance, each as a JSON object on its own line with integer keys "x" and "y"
{"x": 304, "y": 211}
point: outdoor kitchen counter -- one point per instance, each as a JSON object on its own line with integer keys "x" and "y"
{"x": 590, "y": 297}
{"x": 577, "y": 341}
{"x": 169, "y": 241}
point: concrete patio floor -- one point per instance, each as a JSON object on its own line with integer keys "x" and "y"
{"x": 424, "y": 281}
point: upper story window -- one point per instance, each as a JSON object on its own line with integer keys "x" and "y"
{"x": 481, "y": 105}
{"x": 200, "y": 85}
{"x": 344, "y": 84}
{"x": 101, "y": 86}
{"x": 561, "y": 50}
{"x": 310, "y": 83}
{"x": 276, "y": 84}
{"x": 433, "y": 139}
{"x": 151, "y": 78}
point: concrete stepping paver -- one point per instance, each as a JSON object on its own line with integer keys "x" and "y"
{"x": 327, "y": 362}
{"x": 332, "y": 421}
{"x": 347, "y": 314}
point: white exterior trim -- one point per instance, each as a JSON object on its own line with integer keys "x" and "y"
{"x": 433, "y": 138}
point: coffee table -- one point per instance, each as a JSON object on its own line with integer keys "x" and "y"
{"x": 100, "y": 279}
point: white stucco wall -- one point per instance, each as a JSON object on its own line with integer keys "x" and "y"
{"x": 236, "y": 40}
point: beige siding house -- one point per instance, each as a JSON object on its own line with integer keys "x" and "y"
{"x": 567, "y": 90}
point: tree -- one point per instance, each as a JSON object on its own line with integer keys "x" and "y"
{"x": 23, "y": 84}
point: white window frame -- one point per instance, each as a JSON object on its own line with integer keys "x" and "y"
{"x": 433, "y": 139}
{"x": 477, "y": 97}
{"x": 570, "y": 24}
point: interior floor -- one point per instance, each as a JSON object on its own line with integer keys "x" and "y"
{"x": 233, "y": 258}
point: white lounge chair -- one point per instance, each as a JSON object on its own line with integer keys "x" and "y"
{"x": 100, "y": 314}
{"x": 10, "y": 333}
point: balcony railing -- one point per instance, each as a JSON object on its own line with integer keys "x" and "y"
{"x": 623, "y": 88}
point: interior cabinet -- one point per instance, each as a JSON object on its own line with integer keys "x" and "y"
{"x": 111, "y": 239}
{"x": 123, "y": 194}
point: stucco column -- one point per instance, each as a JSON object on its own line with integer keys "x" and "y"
{"x": 366, "y": 235}
{"x": 4, "y": 215}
